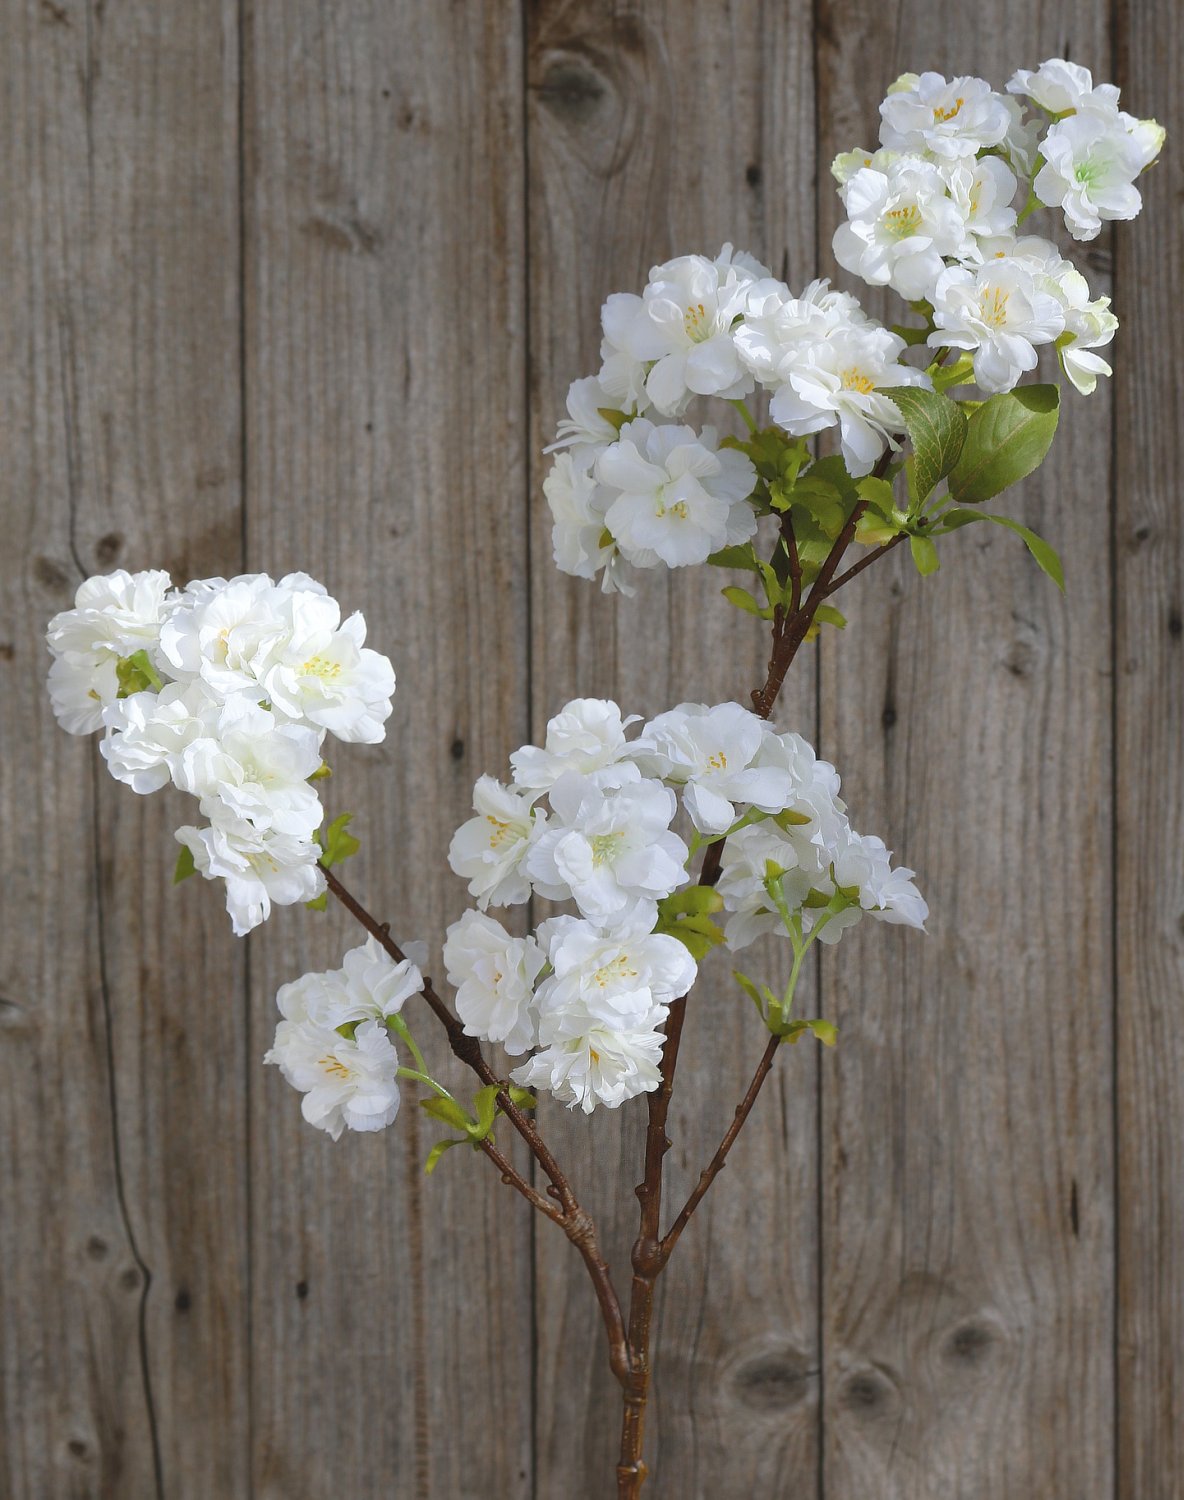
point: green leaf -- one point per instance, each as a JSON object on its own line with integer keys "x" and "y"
{"x": 336, "y": 842}
{"x": 686, "y": 916}
{"x": 826, "y": 1032}
{"x": 736, "y": 557}
{"x": 788, "y": 818}
{"x": 448, "y": 1111}
{"x": 937, "y": 431}
{"x": 750, "y": 990}
{"x": 742, "y": 599}
{"x": 438, "y": 1151}
{"x": 1044, "y": 552}
{"x": 523, "y": 1098}
{"x": 136, "y": 674}
{"x": 827, "y": 614}
{"x": 694, "y": 900}
{"x": 959, "y": 372}
{"x": 615, "y": 419}
{"x": 184, "y": 867}
{"x": 485, "y": 1104}
{"x": 1006, "y": 438}
{"x": 322, "y": 772}
{"x": 924, "y": 555}
{"x": 318, "y": 903}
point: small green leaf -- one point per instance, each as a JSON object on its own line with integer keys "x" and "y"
{"x": 924, "y": 555}
{"x": 693, "y": 900}
{"x": 615, "y": 419}
{"x": 750, "y": 990}
{"x": 736, "y": 557}
{"x": 184, "y": 867}
{"x": 438, "y": 1151}
{"x": 827, "y": 614}
{"x": 826, "y": 1032}
{"x": 136, "y": 674}
{"x": 936, "y": 429}
{"x": 485, "y": 1104}
{"x": 1006, "y": 438}
{"x": 742, "y": 599}
{"x": 788, "y": 818}
{"x": 523, "y": 1098}
{"x": 322, "y": 772}
{"x": 686, "y": 916}
{"x": 1045, "y": 554}
{"x": 336, "y": 842}
{"x": 448, "y": 1111}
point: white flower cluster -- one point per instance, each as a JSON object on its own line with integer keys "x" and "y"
{"x": 632, "y": 491}
{"x": 587, "y": 818}
{"x": 334, "y": 1043}
{"x": 934, "y": 212}
{"x": 227, "y": 689}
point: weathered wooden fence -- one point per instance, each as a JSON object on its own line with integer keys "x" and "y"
{"x": 301, "y": 283}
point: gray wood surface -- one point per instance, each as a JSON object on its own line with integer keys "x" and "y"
{"x": 303, "y": 285}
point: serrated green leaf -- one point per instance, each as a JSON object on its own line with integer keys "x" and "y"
{"x": 925, "y": 557}
{"x": 185, "y": 866}
{"x": 1045, "y": 553}
{"x": 936, "y": 429}
{"x": 1006, "y": 438}
{"x": 736, "y": 557}
{"x": 336, "y": 842}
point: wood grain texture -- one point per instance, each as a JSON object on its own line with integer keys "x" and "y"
{"x": 654, "y": 130}
{"x": 968, "y": 1220}
{"x": 1148, "y": 653}
{"x": 122, "y": 1203}
{"x": 386, "y": 379}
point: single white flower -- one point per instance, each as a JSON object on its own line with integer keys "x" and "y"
{"x": 347, "y": 1082}
{"x": 489, "y": 851}
{"x": 260, "y": 869}
{"x": 779, "y": 328}
{"x": 837, "y": 381}
{"x": 674, "y": 495}
{"x": 818, "y": 810}
{"x": 1059, "y": 87}
{"x": 584, "y": 424}
{"x": 601, "y": 1065}
{"x": 862, "y": 864}
{"x": 1089, "y": 323}
{"x": 750, "y": 857}
{"x": 81, "y": 685}
{"x": 494, "y": 975}
{"x": 614, "y": 978}
{"x": 369, "y": 986}
{"x": 901, "y": 222}
{"x": 256, "y": 768}
{"x": 586, "y": 735}
{"x": 622, "y": 378}
{"x": 223, "y": 631}
{"x": 955, "y": 117}
{"x": 1021, "y": 145}
{"x": 683, "y": 323}
{"x": 710, "y": 753}
{"x": 321, "y": 672}
{"x": 1091, "y": 160}
{"x": 146, "y": 732}
{"x": 583, "y": 546}
{"x": 609, "y": 849}
{"x": 983, "y": 189}
{"x": 114, "y": 615}
{"x": 1000, "y": 313}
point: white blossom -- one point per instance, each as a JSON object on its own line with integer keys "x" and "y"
{"x": 489, "y": 851}
{"x": 256, "y": 768}
{"x": 609, "y": 849}
{"x": 347, "y": 1082}
{"x": 1089, "y": 323}
{"x": 584, "y": 424}
{"x": 146, "y": 732}
{"x": 494, "y": 975}
{"x": 901, "y": 222}
{"x": 602, "y": 1065}
{"x": 710, "y": 753}
{"x": 369, "y": 986}
{"x": 779, "y": 328}
{"x": 223, "y": 631}
{"x": 847, "y": 163}
{"x": 586, "y": 735}
{"x": 998, "y": 311}
{"x": 321, "y": 672}
{"x": 983, "y": 189}
{"x": 582, "y": 545}
{"x": 750, "y": 856}
{"x": 674, "y": 495}
{"x": 837, "y": 381}
{"x": 682, "y": 324}
{"x": 81, "y": 685}
{"x": 954, "y": 117}
{"x": 114, "y": 615}
{"x": 861, "y": 863}
{"x": 1060, "y": 87}
{"x": 260, "y": 868}
{"x": 613, "y": 977}
{"x": 1091, "y": 160}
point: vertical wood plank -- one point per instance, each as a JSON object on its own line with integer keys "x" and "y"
{"x": 968, "y": 1219}
{"x": 385, "y": 399}
{"x": 1149, "y": 770}
{"x": 658, "y": 130}
{"x": 123, "y": 1218}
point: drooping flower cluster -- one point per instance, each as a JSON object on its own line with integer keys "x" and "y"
{"x": 587, "y": 818}
{"x": 934, "y": 212}
{"x": 226, "y": 689}
{"x": 334, "y": 1041}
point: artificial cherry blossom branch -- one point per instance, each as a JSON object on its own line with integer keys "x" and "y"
{"x": 574, "y": 1220}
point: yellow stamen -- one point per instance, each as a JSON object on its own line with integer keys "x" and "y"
{"x": 940, "y": 116}
{"x": 856, "y": 380}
